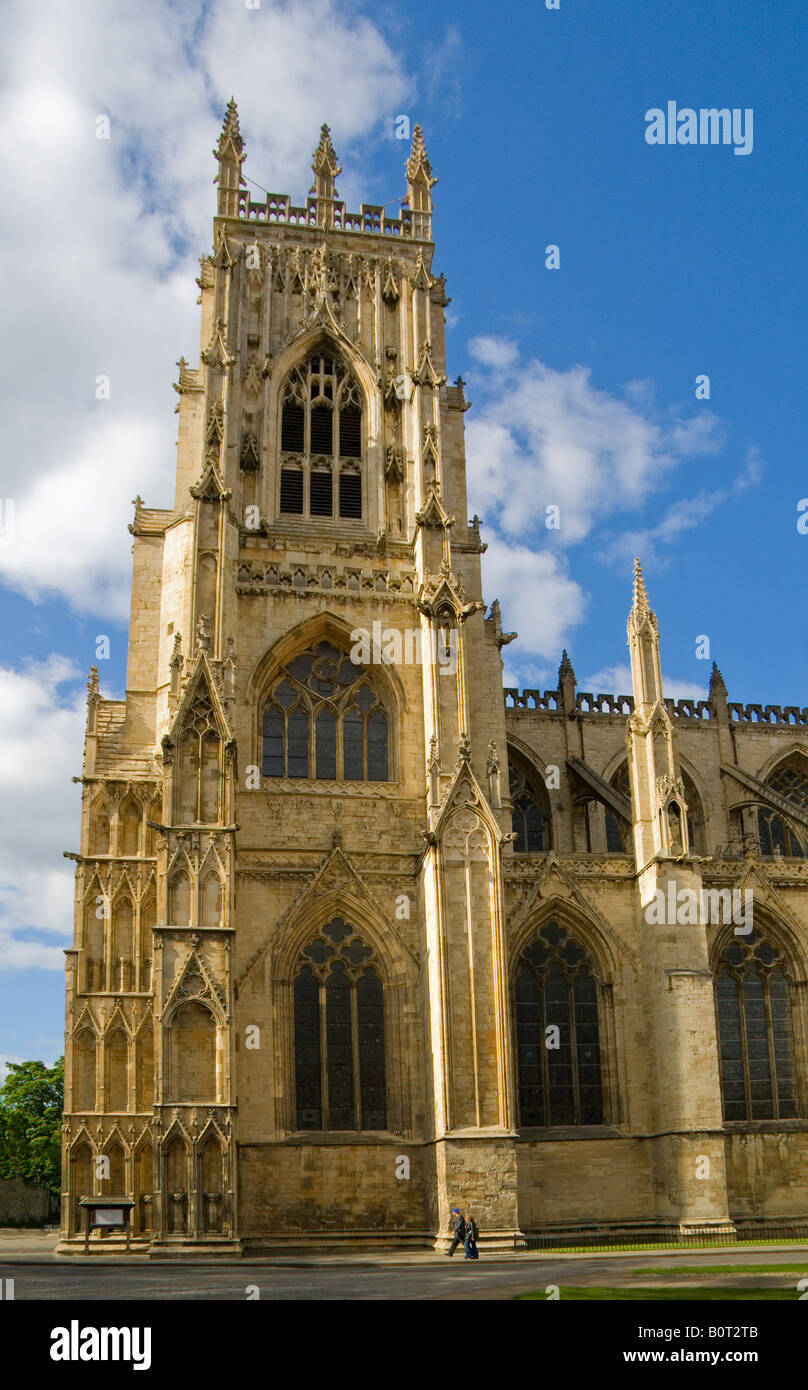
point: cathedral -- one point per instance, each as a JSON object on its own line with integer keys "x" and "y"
{"x": 360, "y": 935}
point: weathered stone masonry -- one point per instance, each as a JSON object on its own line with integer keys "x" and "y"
{"x": 355, "y": 943}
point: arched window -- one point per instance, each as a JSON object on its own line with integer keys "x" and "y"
{"x": 100, "y": 824}
{"x": 199, "y": 771}
{"x": 321, "y": 442}
{"x": 531, "y": 811}
{"x": 618, "y": 830}
{"x": 777, "y": 832}
{"x": 129, "y": 819}
{"x": 192, "y": 1054}
{"x": 325, "y": 719}
{"x": 557, "y": 1033}
{"x": 755, "y": 1037}
{"x": 340, "y": 1080}
{"x": 84, "y": 1074}
{"x": 117, "y": 1070}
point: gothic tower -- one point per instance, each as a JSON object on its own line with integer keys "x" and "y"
{"x": 287, "y": 1010}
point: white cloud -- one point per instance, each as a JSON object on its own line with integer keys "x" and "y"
{"x": 553, "y": 438}
{"x": 104, "y": 237}
{"x": 5, "y": 1058}
{"x": 683, "y": 515}
{"x": 616, "y": 680}
{"x": 539, "y": 599}
{"x": 41, "y": 735}
{"x": 499, "y": 353}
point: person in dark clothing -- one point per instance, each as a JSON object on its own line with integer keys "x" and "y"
{"x": 470, "y": 1242}
{"x": 458, "y": 1225}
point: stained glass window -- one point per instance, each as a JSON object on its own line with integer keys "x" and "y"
{"x": 324, "y": 719}
{"x": 321, "y": 441}
{"x": 340, "y": 1076}
{"x": 557, "y": 1033}
{"x": 755, "y": 1038}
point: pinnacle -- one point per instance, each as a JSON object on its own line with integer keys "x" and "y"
{"x": 418, "y": 161}
{"x": 565, "y": 669}
{"x": 230, "y": 133}
{"x": 640, "y": 596}
{"x": 717, "y": 681}
{"x": 325, "y": 156}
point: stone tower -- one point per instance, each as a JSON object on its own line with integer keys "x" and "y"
{"x": 360, "y": 936}
{"x": 287, "y": 1001}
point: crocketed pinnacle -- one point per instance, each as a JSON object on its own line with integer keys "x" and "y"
{"x": 230, "y": 133}
{"x": 324, "y": 159}
{"x": 418, "y": 162}
{"x": 640, "y": 604}
{"x": 717, "y": 686}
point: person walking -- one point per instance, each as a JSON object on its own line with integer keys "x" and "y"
{"x": 458, "y": 1227}
{"x": 470, "y": 1242}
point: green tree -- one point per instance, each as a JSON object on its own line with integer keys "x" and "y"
{"x": 31, "y": 1103}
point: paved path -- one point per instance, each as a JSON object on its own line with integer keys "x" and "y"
{"x": 422, "y": 1276}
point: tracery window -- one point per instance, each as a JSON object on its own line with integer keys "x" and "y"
{"x": 557, "y": 1033}
{"x": 618, "y": 830}
{"x": 755, "y": 1035}
{"x": 530, "y": 816}
{"x": 340, "y": 1078}
{"x": 325, "y": 719}
{"x": 777, "y": 832}
{"x": 321, "y": 441}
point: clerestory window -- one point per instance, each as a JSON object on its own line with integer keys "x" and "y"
{"x": 321, "y": 442}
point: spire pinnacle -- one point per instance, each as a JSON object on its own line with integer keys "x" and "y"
{"x": 565, "y": 669}
{"x": 230, "y": 133}
{"x": 420, "y": 182}
{"x": 325, "y": 166}
{"x": 640, "y": 603}
{"x": 717, "y": 686}
{"x": 230, "y": 154}
{"x": 418, "y": 165}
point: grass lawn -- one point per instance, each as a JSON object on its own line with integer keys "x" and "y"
{"x": 582, "y": 1293}
{"x": 698, "y": 1270}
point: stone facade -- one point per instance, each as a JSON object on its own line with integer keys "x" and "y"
{"x": 358, "y": 936}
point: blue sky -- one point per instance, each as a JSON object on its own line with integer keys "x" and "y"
{"x": 676, "y": 261}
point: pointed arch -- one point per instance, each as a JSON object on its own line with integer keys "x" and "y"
{"x": 212, "y": 1182}
{"x": 307, "y": 674}
{"x": 179, "y": 898}
{"x": 148, "y": 921}
{"x": 122, "y": 943}
{"x": 175, "y": 1164}
{"x": 144, "y": 1066}
{"x": 576, "y": 995}
{"x": 325, "y": 428}
{"x": 193, "y": 1047}
{"x": 116, "y": 1069}
{"x": 81, "y": 1178}
{"x": 143, "y": 1174}
{"x": 85, "y": 1064}
{"x": 211, "y": 900}
{"x": 116, "y": 1183}
{"x": 100, "y": 837}
{"x": 130, "y": 819}
{"x": 531, "y": 815}
{"x": 93, "y": 939}
{"x": 339, "y": 1033}
{"x": 759, "y": 981}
